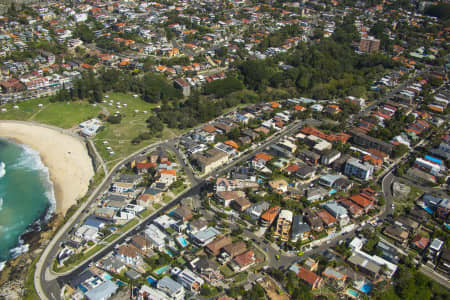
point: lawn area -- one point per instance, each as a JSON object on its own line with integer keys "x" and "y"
{"x": 127, "y": 226}
{"x": 145, "y": 213}
{"x": 80, "y": 259}
{"x": 29, "y": 291}
{"x": 408, "y": 201}
{"x": 157, "y": 205}
{"x": 133, "y": 123}
{"x": 166, "y": 198}
{"x": 25, "y": 111}
{"x": 240, "y": 277}
{"x": 67, "y": 115}
{"x": 226, "y": 271}
{"x": 112, "y": 237}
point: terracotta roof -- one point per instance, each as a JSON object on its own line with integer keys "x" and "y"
{"x": 361, "y": 201}
{"x": 263, "y": 156}
{"x": 326, "y": 217}
{"x": 209, "y": 128}
{"x": 271, "y": 214}
{"x": 245, "y": 258}
{"x": 169, "y": 172}
{"x": 310, "y": 277}
{"x": 147, "y": 165}
{"x": 218, "y": 244}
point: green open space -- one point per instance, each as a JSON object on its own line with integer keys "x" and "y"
{"x": 67, "y": 114}
{"x": 77, "y": 259}
{"x": 112, "y": 237}
{"x": 226, "y": 271}
{"x": 128, "y": 226}
{"x": 133, "y": 123}
{"x": 25, "y": 111}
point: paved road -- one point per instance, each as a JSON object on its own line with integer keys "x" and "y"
{"x": 441, "y": 279}
{"x": 46, "y": 285}
{"x": 43, "y": 287}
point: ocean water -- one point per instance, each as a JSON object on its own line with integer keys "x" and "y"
{"x": 26, "y": 195}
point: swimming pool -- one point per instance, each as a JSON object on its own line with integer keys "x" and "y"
{"x": 106, "y": 276}
{"x": 332, "y": 192}
{"x": 120, "y": 283}
{"x": 352, "y": 293}
{"x": 152, "y": 281}
{"x": 366, "y": 288}
{"x": 182, "y": 241}
{"x": 82, "y": 288}
{"x": 429, "y": 210}
{"x": 161, "y": 270}
{"x": 169, "y": 253}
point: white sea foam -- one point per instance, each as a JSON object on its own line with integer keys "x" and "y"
{"x": 31, "y": 160}
{"x": 2, "y": 265}
{"x": 2, "y": 169}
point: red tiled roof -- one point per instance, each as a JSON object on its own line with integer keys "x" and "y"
{"x": 308, "y": 276}
{"x": 361, "y": 201}
{"x": 326, "y": 217}
{"x": 245, "y": 258}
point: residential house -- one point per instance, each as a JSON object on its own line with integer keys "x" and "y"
{"x": 362, "y": 202}
{"x": 434, "y": 248}
{"x": 172, "y": 288}
{"x": 357, "y": 169}
{"x": 313, "y": 280}
{"x": 334, "y": 276}
{"x": 420, "y": 242}
{"x": 103, "y": 291}
{"x": 315, "y": 194}
{"x": 278, "y": 186}
{"x": 112, "y": 264}
{"x": 210, "y": 160}
{"x": 397, "y": 233}
{"x": 300, "y": 229}
{"x": 241, "y": 204}
{"x": 129, "y": 254}
{"x": 269, "y": 216}
{"x": 232, "y": 250}
{"x": 256, "y": 210}
{"x": 167, "y": 176}
{"x": 407, "y": 223}
{"x": 243, "y": 261}
{"x": 283, "y": 225}
{"x": 227, "y": 197}
{"x": 337, "y": 211}
{"x": 216, "y": 246}
{"x": 309, "y": 157}
{"x": 207, "y": 269}
{"x": 190, "y": 281}
{"x": 444, "y": 262}
{"x": 305, "y": 172}
{"x": 364, "y": 265}
{"x": 183, "y": 85}
{"x": 182, "y": 213}
{"x": 313, "y": 220}
{"x": 327, "y": 219}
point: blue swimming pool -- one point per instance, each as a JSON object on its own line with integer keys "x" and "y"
{"x": 120, "y": 283}
{"x": 366, "y": 288}
{"x": 428, "y": 210}
{"x": 448, "y": 226}
{"x": 152, "y": 281}
{"x": 161, "y": 270}
{"x": 434, "y": 159}
{"x": 106, "y": 276}
{"x": 169, "y": 253}
{"x": 182, "y": 241}
{"x": 353, "y": 293}
{"x": 82, "y": 288}
{"x": 332, "y": 192}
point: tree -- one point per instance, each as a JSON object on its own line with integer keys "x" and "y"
{"x": 399, "y": 150}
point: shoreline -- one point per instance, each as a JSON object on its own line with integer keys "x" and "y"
{"x": 69, "y": 165}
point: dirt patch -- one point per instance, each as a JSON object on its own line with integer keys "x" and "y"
{"x": 271, "y": 289}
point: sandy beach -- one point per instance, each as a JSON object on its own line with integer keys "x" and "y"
{"x": 65, "y": 156}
